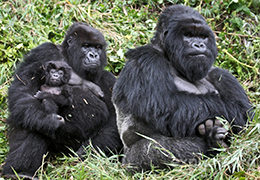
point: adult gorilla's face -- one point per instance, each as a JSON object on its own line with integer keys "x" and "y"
{"x": 188, "y": 42}
{"x": 86, "y": 49}
{"x": 92, "y": 53}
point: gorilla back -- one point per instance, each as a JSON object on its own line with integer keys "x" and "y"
{"x": 168, "y": 89}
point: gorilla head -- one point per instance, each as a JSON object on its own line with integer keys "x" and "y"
{"x": 86, "y": 50}
{"x": 57, "y": 73}
{"x": 189, "y": 43}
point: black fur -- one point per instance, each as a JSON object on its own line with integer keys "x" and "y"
{"x": 33, "y": 132}
{"x": 169, "y": 87}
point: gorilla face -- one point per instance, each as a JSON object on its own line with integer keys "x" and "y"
{"x": 57, "y": 73}
{"x": 92, "y": 54}
{"x": 188, "y": 42}
{"x": 193, "y": 51}
{"x": 86, "y": 49}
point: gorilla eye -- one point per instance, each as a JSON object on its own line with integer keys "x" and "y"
{"x": 52, "y": 71}
{"x": 86, "y": 45}
{"x": 203, "y": 36}
{"x": 98, "y": 47}
{"x": 188, "y": 34}
{"x": 165, "y": 33}
{"x": 60, "y": 72}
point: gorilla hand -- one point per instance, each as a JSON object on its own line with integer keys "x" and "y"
{"x": 88, "y": 85}
{"x": 85, "y": 84}
{"x": 213, "y": 133}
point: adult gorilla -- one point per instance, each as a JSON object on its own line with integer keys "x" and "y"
{"x": 169, "y": 91}
{"x": 34, "y": 131}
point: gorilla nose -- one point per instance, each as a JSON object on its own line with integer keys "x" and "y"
{"x": 93, "y": 55}
{"x": 199, "y": 46}
{"x": 55, "y": 75}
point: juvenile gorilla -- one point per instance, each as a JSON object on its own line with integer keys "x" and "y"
{"x": 33, "y": 132}
{"x": 56, "y": 91}
{"x": 169, "y": 91}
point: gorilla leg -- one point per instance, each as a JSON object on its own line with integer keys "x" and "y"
{"x": 166, "y": 150}
{"x": 109, "y": 135}
{"x": 141, "y": 152}
{"x": 26, "y": 153}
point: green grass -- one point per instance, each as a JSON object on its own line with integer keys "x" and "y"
{"x": 128, "y": 24}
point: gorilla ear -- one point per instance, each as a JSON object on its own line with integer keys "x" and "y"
{"x": 163, "y": 35}
{"x": 69, "y": 41}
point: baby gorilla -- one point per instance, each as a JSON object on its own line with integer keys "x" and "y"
{"x": 56, "y": 92}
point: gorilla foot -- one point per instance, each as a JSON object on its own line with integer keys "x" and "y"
{"x": 213, "y": 132}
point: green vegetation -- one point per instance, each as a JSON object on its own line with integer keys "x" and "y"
{"x": 24, "y": 24}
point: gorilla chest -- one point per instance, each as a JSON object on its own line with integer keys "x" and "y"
{"x": 202, "y": 86}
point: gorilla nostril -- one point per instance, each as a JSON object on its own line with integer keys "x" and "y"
{"x": 202, "y": 45}
{"x": 199, "y": 46}
{"x": 97, "y": 56}
{"x": 93, "y": 55}
{"x": 90, "y": 55}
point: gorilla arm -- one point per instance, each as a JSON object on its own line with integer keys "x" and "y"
{"x": 234, "y": 96}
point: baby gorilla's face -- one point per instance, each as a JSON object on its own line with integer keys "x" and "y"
{"x": 57, "y": 73}
{"x": 56, "y": 77}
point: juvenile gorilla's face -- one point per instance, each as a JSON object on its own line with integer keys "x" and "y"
{"x": 56, "y": 77}
{"x": 57, "y": 73}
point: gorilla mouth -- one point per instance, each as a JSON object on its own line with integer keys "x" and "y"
{"x": 54, "y": 82}
{"x": 93, "y": 65}
{"x": 197, "y": 55}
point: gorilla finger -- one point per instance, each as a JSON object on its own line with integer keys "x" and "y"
{"x": 220, "y": 136}
{"x": 222, "y": 130}
{"x": 221, "y": 133}
{"x": 209, "y": 124}
{"x": 218, "y": 123}
{"x": 222, "y": 144}
{"x": 202, "y": 129}
{"x": 56, "y": 117}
